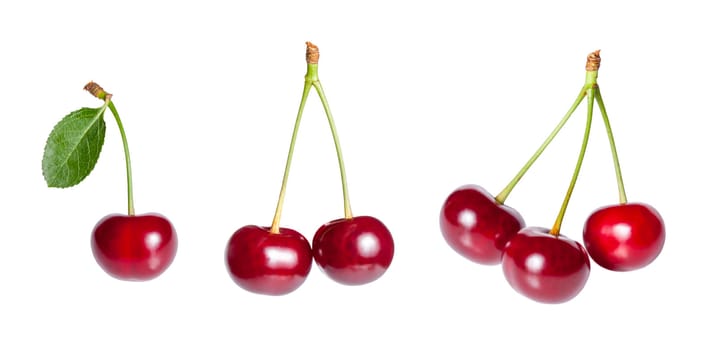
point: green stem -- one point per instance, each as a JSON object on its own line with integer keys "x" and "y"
{"x": 500, "y": 198}
{"x": 612, "y": 144}
{"x": 344, "y": 183}
{"x": 130, "y": 193}
{"x": 284, "y": 182}
{"x": 312, "y": 56}
{"x": 590, "y": 108}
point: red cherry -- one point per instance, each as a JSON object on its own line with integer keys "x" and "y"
{"x": 134, "y": 247}
{"x": 543, "y": 267}
{"x": 624, "y": 237}
{"x": 268, "y": 263}
{"x": 353, "y": 251}
{"x": 476, "y": 226}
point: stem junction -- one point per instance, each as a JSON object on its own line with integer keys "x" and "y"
{"x": 312, "y": 81}
{"x": 591, "y": 91}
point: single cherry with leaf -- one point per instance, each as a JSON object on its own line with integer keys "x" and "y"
{"x": 126, "y": 246}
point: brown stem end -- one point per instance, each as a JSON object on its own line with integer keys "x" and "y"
{"x": 593, "y": 61}
{"x": 311, "y": 53}
{"x": 97, "y": 91}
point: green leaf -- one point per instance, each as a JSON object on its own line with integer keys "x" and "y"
{"x": 73, "y": 147}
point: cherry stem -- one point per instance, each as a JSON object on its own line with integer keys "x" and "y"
{"x": 590, "y": 108}
{"x": 612, "y": 144}
{"x": 344, "y": 183}
{"x": 98, "y": 91}
{"x": 312, "y": 56}
{"x": 130, "y": 192}
{"x": 311, "y": 80}
{"x": 500, "y": 198}
{"x": 284, "y": 182}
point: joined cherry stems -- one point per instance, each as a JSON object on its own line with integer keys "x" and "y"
{"x": 585, "y": 139}
{"x": 98, "y": 91}
{"x": 312, "y": 81}
{"x": 592, "y": 92}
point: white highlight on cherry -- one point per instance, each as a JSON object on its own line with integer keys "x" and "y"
{"x": 281, "y": 257}
{"x": 153, "y": 240}
{"x": 534, "y": 264}
{"x": 467, "y": 218}
{"x": 368, "y": 245}
{"x": 622, "y": 232}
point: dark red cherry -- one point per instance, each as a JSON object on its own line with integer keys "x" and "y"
{"x": 475, "y": 225}
{"x": 624, "y": 237}
{"x": 268, "y": 263}
{"x": 134, "y": 247}
{"x": 543, "y": 267}
{"x": 353, "y": 251}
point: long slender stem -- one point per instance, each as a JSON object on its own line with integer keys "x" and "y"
{"x": 612, "y": 144}
{"x": 130, "y": 192}
{"x": 284, "y": 182}
{"x": 346, "y": 201}
{"x": 590, "y": 108}
{"x": 312, "y": 56}
{"x": 500, "y": 198}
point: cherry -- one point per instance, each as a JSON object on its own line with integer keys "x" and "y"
{"x": 353, "y": 251}
{"x": 127, "y": 247}
{"x": 475, "y": 225}
{"x": 268, "y": 263}
{"x": 271, "y": 260}
{"x": 624, "y": 237}
{"x": 544, "y": 267}
{"x": 541, "y": 263}
{"x": 134, "y": 247}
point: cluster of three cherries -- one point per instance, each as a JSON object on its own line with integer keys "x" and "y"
{"x": 540, "y": 263}
{"x": 266, "y": 260}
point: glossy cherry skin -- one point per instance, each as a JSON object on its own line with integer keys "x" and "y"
{"x": 353, "y": 251}
{"x": 476, "y": 226}
{"x": 543, "y": 267}
{"x": 268, "y": 263}
{"x": 134, "y": 247}
{"x": 624, "y": 237}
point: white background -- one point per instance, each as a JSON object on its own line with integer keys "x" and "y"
{"x": 427, "y": 96}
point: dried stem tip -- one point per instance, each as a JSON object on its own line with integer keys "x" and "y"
{"x": 311, "y": 53}
{"x": 97, "y": 91}
{"x": 593, "y": 61}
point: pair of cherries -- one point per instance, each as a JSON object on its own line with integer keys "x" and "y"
{"x": 351, "y": 251}
{"x": 541, "y": 263}
{"x": 276, "y": 260}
